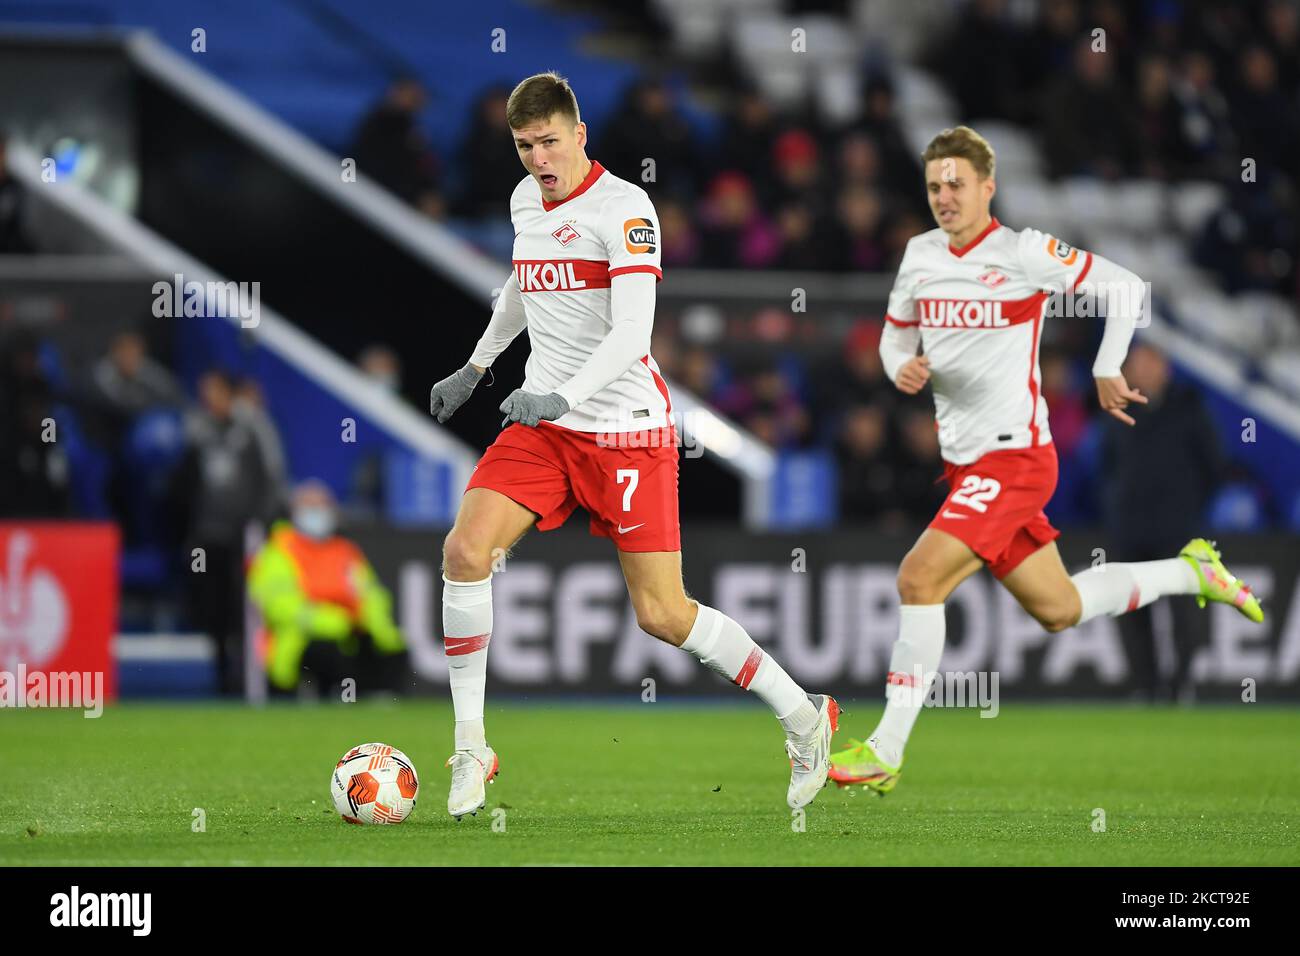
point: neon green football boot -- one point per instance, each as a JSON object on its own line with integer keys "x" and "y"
{"x": 1217, "y": 582}
{"x": 861, "y": 764}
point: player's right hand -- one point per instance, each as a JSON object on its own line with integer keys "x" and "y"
{"x": 913, "y": 375}
{"x": 450, "y": 394}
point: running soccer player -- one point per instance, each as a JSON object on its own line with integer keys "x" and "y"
{"x": 591, "y": 426}
{"x": 972, "y": 295}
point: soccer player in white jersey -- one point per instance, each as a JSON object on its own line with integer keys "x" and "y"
{"x": 972, "y": 296}
{"x": 591, "y": 426}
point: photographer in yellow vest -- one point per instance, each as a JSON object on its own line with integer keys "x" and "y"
{"x": 323, "y": 608}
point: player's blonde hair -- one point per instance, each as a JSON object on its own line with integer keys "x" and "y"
{"x": 538, "y": 98}
{"x": 962, "y": 142}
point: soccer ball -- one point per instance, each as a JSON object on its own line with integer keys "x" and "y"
{"x": 374, "y": 783}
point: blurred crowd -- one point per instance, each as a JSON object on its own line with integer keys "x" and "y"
{"x": 1178, "y": 91}
{"x": 182, "y": 477}
{"x": 1175, "y": 91}
{"x": 1184, "y": 90}
{"x": 121, "y": 439}
{"x": 772, "y": 192}
{"x": 882, "y": 443}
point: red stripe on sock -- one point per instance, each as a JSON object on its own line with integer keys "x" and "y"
{"x": 455, "y": 646}
{"x": 1134, "y": 599}
{"x": 749, "y": 668}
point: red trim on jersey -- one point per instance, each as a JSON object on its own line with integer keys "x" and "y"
{"x": 561, "y": 275}
{"x": 624, "y": 270}
{"x": 660, "y": 384}
{"x": 596, "y": 170}
{"x": 900, "y": 323}
{"x": 986, "y": 313}
{"x": 1033, "y": 385}
{"x": 974, "y": 242}
{"x": 1087, "y": 264}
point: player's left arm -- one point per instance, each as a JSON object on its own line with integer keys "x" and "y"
{"x": 1123, "y": 296}
{"x": 1058, "y": 266}
{"x": 632, "y": 304}
{"x": 632, "y": 311}
{"x": 630, "y": 233}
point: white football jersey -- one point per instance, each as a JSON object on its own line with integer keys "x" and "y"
{"x": 979, "y": 311}
{"x": 565, "y": 255}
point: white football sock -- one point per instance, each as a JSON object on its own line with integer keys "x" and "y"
{"x": 1119, "y": 588}
{"x": 467, "y": 629}
{"x": 723, "y": 646}
{"x": 916, "y": 654}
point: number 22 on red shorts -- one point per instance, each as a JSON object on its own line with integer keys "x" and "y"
{"x": 995, "y": 505}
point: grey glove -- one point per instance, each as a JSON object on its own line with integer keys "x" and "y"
{"x": 450, "y": 394}
{"x": 529, "y": 409}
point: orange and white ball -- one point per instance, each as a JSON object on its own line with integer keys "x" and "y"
{"x": 374, "y": 783}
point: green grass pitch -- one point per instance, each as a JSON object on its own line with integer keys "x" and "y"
{"x": 649, "y": 784}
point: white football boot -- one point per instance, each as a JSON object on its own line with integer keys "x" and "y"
{"x": 471, "y": 771}
{"x": 810, "y": 753}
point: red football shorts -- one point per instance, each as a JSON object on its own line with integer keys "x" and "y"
{"x": 627, "y": 481}
{"x": 995, "y": 505}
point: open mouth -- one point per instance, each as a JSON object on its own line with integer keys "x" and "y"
{"x": 549, "y": 180}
